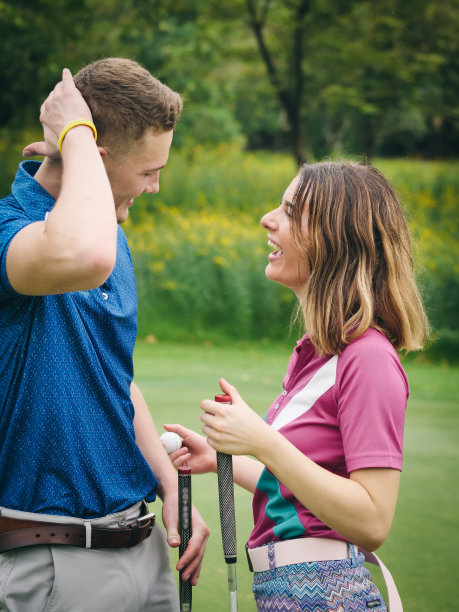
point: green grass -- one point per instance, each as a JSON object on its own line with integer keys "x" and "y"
{"x": 421, "y": 550}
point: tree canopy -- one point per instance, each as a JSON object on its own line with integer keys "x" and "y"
{"x": 310, "y": 76}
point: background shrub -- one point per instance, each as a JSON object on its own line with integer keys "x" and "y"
{"x": 200, "y": 253}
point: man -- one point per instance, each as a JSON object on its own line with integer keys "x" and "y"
{"x": 79, "y": 451}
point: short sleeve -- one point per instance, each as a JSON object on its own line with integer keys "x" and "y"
{"x": 12, "y": 220}
{"x": 372, "y": 394}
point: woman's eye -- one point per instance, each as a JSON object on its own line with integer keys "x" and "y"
{"x": 288, "y": 208}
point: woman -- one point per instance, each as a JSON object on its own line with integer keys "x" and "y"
{"x": 327, "y": 459}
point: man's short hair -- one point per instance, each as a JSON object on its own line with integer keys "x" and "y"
{"x": 125, "y": 101}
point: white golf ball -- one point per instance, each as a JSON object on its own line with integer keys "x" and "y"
{"x": 172, "y": 441}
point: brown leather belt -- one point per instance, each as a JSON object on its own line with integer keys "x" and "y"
{"x": 18, "y": 533}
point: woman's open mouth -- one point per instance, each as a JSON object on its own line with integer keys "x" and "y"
{"x": 278, "y": 252}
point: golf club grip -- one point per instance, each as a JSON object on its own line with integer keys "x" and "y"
{"x": 226, "y": 500}
{"x": 184, "y": 503}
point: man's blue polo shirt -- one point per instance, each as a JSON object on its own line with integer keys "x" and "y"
{"x": 67, "y": 441}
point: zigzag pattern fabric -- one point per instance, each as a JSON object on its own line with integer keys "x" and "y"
{"x": 325, "y": 586}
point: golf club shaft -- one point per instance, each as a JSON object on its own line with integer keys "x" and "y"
{"x": 184, "y": 491}
{"x": 232, "y": 586}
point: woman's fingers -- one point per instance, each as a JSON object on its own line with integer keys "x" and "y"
{"x": 227, "y": 387}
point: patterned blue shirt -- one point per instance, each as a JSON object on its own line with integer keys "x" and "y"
{"x": 67, "y": 441}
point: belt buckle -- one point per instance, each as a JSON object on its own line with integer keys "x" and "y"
{"x": 142, "y": 520}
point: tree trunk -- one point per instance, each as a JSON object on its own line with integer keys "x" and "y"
{"x": 289, "y": 99}
{"x": 297, "y": 132}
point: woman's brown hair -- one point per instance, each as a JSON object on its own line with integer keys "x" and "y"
{"x": 358, "y": 251}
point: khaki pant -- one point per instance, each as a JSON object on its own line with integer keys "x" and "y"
{"x": 69, "y": 579}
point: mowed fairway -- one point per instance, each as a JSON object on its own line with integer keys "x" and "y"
{"x": 422, "y": 548}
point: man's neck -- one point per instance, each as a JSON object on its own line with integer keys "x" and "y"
{"x": 49, "y": 175}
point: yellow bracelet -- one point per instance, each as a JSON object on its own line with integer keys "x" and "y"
{"x": 73, "y": 124}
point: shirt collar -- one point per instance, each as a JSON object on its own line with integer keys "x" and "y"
{"x": 303, "y": 342}
{"x": 29, "y": 194}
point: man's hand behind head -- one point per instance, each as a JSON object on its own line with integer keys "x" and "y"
{"x": 63, "y": 105}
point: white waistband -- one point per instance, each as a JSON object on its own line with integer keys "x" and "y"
{"x": 306, "y": 550}
{"x": 301, "y": 550}
{"x": 118, "y": 519}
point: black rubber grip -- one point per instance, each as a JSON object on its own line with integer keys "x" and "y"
{"x": 227, "y": 512}
{"x": 185, "y": 531}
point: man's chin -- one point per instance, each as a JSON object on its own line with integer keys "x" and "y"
{"x": 122, "y": 216}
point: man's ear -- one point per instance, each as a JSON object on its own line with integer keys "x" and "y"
{"x": 105, "y": 155}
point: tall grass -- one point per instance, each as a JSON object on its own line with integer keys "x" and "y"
{"x": 200, "y": 252}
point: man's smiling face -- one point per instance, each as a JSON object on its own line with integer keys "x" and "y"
{"x": 137, "y": 171}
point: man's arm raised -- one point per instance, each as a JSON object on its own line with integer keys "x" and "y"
{"x": 75, "y": 247}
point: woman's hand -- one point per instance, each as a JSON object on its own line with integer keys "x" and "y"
{"x": 234, "y": 429}
{"x": 194, "y": 453}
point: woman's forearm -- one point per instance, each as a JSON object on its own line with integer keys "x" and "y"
{"x": 360, "y": 508}
{"x": 246, "y": 472}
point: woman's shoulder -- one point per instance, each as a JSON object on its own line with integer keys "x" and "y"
{"x": 371, "y": 356}
{"x": 370, "y": 352}
{"x": 371, "y": 342}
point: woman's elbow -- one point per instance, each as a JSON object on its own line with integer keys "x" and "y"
{"x": 373, "y": 537}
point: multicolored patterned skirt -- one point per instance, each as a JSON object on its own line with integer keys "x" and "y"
{"x": 324, "y": 586}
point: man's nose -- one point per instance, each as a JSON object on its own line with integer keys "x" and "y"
{"x": 152, "y": 185}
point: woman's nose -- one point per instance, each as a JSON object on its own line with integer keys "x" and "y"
{"x": 268, "y": 221}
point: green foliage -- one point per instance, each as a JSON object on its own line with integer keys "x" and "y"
{"x": 358, "y": 77}
{"x": 222, "y": 179}
{"x": 12, "y": 143}
{"x": 202, "y": 274}
{"x": 200, "y": 252}
{"x": 42, "y": 37}
{"x": 430, "y": 192}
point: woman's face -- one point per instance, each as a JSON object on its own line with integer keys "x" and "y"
{"x": 285, "y": 265}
